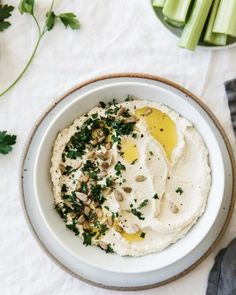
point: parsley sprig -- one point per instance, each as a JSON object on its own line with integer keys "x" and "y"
{"x": 27, "y": 7}
{"x": 6, "y": 142}
{"x": 5, "y": 13}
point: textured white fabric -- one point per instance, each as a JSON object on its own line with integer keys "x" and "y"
{"x": 116, "y": 36}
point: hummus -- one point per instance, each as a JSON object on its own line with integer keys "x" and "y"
{"x": 131, "y": 178}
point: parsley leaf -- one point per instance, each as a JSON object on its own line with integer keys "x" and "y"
{"x": 142, "y": 235}
{"x": 179, "y": 191}
{"x": 69, "y": 19}
{"x": 143, "y": 204}
{"x": 5, "y": 12}
{"x": 119, "y": 167}
{"x": 109, "y": 249}
{"x": 50, "y": 20}
{"x": 155, "y": 196}
{"x": 138, "y": 214}
{"x": 26, "y": 6}
{"x": 87, "y": 235}
{"x": 6, "y": 142}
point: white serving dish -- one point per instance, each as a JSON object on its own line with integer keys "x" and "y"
{"x": 90, "y": 263}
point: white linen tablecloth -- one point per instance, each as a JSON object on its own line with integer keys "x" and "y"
{"x": 115, "y": 36}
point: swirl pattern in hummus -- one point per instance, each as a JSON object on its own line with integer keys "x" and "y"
{"x": 131, "y": 178}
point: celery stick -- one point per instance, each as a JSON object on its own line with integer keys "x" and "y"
{"x": 210, "y": 37}
{"x": 158, "y": 3}
{"x": 225, "y": 21}
{"x": 194, "y": 26}
{"x": 176, "y": 10}
{"x": 174, "y": 23}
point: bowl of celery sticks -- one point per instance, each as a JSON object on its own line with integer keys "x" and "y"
{"x": 208, "y": 23}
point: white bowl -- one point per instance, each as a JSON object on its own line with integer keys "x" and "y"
{"x": 90, "y": 262}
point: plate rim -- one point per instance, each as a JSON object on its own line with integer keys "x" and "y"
{"x": 145, "y": 77}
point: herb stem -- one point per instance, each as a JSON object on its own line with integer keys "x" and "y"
{"x": 37, "y": 23}
{"x": 40, "y": 35}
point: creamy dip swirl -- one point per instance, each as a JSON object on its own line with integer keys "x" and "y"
{"x": 131, "y": 178}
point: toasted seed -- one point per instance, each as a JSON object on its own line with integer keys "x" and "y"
{"x": 100, "y": 133}
{"x": 108, "y": 190}
{"x": 118, "y": 228}
{"x": 84, "y": 178}
{"x": 99, "y": 212}
{"x": 87, "y": 210}
{"x": 118, "y": 196}
{"x": 147, "y": 112}
{"x": 110, "y": 220}
{"x": 110, "y": 159}
{"x": 88, "y": 202}
{"x": 174, "y": 209}
{"x": 91, "y": 154}
{"x": 103, "y": 245}
{"x": 140, "y": 178}
{"x": 102, "y": 174}
{"x": 105, "y": 165}
{"x": 86, "y": 225}
{"x": 127, "y": 189}
{"x": 131, "y": 119}
{"x": 121, "y": 111}
{"x": 81, "y": 219}
{"x": 135, "y": 228}
{"x": 94, "y": 142}
{"x": 101, "y": 139}
{"x": 68, "y": 204}
{"x": 108, "y": 145}
{"x": 62, "y": 168}
{"x": 78, "y": 185}
{"x": 102, "y": 156}
{"x": 82, "y": 197}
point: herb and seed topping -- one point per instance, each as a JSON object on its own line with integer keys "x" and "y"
{"x": 113, "y": 178}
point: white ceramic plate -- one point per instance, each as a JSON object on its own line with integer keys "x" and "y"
{"x": 90, "y": 263}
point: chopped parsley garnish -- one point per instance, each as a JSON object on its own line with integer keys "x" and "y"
{"x": 97, "y": 195}
{"x": 143, "y": 204}
{"x": 84, "y": 187}
{"x": 109, "y": 181}
{"x": 142, "y": 235}
{"x": 179, "y": 191}
{"x": 87, "y": 235}
{"x": 72, "y": 154}
{"x": 68, "y": 170}
{"x": 119, "y": 167}
{"x": 129, "y": 98}
{"x": 73, "y": 227}
{"x": 134, "y": 161}
{"x": 109, "y": 249}
{"x": 91, "y": 168}
{"x": 102, "y": 104}
{"x": 155, "y": 196}
{"x": 151, "y": 153}
{"x": 64, "y": 188}
{"x": 137, "y": 214}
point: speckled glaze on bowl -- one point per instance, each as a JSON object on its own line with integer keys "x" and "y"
{"x": 90, "y": 263}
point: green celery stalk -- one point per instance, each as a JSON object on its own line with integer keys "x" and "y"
{"x": 158, "y": 3}
{"x": 225, "y": 21}
{"x": 194, "y": 26}
{"x": 210, "y": 37}
{"x": 174, "y": 23}
{"x": 176, "y": 10}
